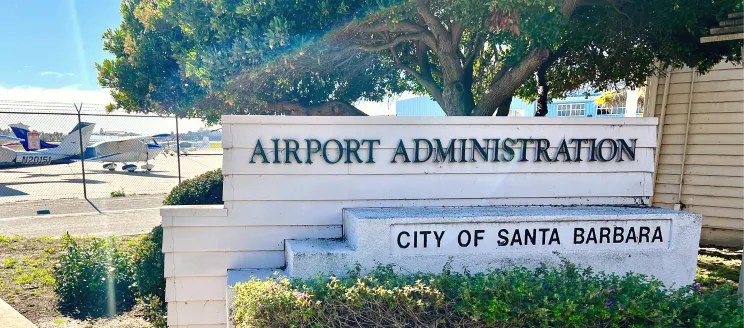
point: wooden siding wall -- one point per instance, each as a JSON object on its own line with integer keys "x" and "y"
{"x": 713, "y": 179}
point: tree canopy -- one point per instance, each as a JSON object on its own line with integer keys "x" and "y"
{"x": 209, "y": 57}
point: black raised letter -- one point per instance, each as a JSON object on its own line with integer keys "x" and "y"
{"x": 459, "y": 238}
{"x": 542, "y": 151}
{"x": 578, "y": 235}
{"x": 624, "y": 148}
{"x": 352, "y": 150}
{"x": 407, "y": 243}
{"x": 562, "y": 150}
{"x": 417, "y": 149}
{"x": 340, "y": 151}
{"x": 370, "y": 158}
{"x": 291, "y": 149}
{"x": 401, "y": 150}
{"x": 311, "y": 150}
{"x": 613, "y": 150}
{"x": 259, "y": 151}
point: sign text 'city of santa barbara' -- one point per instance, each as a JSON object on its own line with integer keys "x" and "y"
{"x": 420, "y": 150}
{"x": 475, "y": 237}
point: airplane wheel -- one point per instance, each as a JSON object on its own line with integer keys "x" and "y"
{"x": 111, "y": 168}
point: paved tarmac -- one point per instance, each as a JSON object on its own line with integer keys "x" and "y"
{"x": 53, "y": 182}
{"x": 97, "y": 217}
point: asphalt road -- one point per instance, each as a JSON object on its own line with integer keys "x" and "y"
{"x": 97, "y": 217}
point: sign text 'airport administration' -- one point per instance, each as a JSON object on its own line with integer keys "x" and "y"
{"x": 459, "y": 238}
{"x": 349, "y": 151}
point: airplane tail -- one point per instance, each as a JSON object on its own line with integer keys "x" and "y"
{"x": 70, "y": 145}
{"x": 21, "y": 132}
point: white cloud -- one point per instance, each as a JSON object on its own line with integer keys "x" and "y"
{"x": 68, "y": 94}
{"x": 75, "y": 86}
{"x": 48, "y": 73}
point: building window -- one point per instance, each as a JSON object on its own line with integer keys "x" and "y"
{"x": 577, "y": 109}
{"x": 639, "y": 111}
{"x": 611, "y": 111}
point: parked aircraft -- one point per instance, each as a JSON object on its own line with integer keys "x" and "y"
{"x": 67, "y": 151}
{"x": 127, "y": 149}
{"x": 168, "y": 141}
{"x": 110, "y": 152}
{"x": 21, "y": 131}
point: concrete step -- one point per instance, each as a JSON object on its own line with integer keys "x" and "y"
{"x": 306, "y": 256}
{"x": 736, "y": 15}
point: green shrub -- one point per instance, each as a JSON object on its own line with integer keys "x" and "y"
{"x": 567, "y": 296}
{"x": 118, "y": 193}
{"x": 149, "y": 266}
{"x": 200, "y": 190}
{"x": 93, "y": 279}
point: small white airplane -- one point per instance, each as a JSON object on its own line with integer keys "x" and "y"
{"x": 109, "y": 152}
{"x": 65, "y": 152}
{"x": 127, "y": 149}
{"x": 168, "y": 141}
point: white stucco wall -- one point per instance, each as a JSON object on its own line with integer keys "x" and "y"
{"x": 266, "y": 204}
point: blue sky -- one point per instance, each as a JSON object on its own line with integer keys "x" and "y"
{"x": 53, "y": 44}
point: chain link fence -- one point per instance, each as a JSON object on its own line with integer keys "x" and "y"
{"x": 122, "y": 154}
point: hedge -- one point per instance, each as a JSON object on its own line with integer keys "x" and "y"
{"x": 567, "y": 296}
{"x": 204, "y": 189}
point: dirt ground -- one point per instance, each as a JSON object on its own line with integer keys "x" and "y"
{"x": 27, "y": 283}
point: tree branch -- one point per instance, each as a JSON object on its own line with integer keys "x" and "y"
{"x": 392, "y": 43}
{"x": 426, "y": 81}
{"x": 331, "y": 108}
{"x": 457, "y": 30}
{"x": 475, "y": 51}
{"x": 401, "y": 26}
{"x": 440, "y": 33}
{"x": 507, "y": 80}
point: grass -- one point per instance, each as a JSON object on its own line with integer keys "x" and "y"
{"x": 27, "y": 284}
{"x": 26, "y": 281}
{"x": 118, "y": 193}
{"x": 718, "y": 266}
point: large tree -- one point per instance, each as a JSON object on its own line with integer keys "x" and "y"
{"x": 207, "y": 57}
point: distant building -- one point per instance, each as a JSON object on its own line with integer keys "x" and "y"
{"x": 578, "y": 105}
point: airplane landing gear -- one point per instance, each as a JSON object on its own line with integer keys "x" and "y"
{"x": 110, "y": 166}
{"x": 147, "y": 167}
{"x": 129, "y": 167}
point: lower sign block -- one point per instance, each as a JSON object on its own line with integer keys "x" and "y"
{"x": 656, "y": 242}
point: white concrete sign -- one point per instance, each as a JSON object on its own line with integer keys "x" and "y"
{"x": 463, "y": 238}
{"x": 289, "y": 181}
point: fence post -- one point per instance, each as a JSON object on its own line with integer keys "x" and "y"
{"x": 82, "y": 148}
{"x": 178, "y": 150}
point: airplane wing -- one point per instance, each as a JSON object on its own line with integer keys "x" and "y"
{"x": 121, "y": 140}
{"x": 98, "y": 158}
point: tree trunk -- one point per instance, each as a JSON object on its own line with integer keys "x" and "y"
{"x": 331, "y": 108}
{"x": 541, "y": 107}
{"x": 507, "y": 82}
{"x": 503, "y": 108}
{"x": 453, "y": 95}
